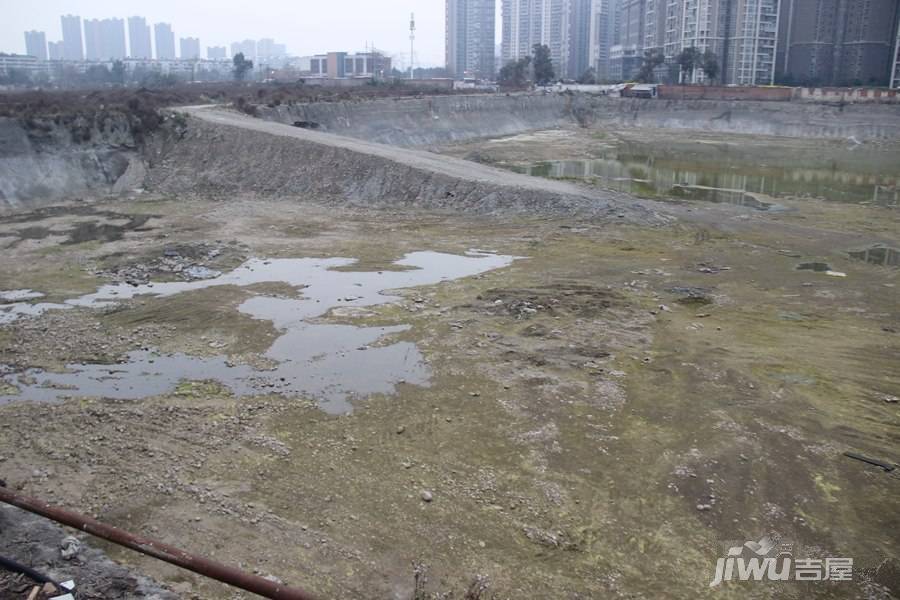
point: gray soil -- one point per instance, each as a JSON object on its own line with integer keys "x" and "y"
{"x": 602, "y": 418}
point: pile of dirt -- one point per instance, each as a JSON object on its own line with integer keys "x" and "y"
{"x": 52, "y": 551}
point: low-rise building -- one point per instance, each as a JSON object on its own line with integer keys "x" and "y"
{"x": 343, "y": 65}
{"x": 19, "y": 63}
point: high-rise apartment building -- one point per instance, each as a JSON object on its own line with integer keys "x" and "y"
{"x": 580, "y": 12}
{"x": 895, "y": 74}
{"x": 36, "y": 44}
{"x": 598, "y": 39}
{"x": 469, "y": 31}
{"x": 837, "y": 42}
{"x": 526, "y": 23}
{"x": 268, "y": 50}
{"x": 104, "y": 39}
{"x": 247, "y": 48}
{"x": 626, "y": 54}
{"x": 570, "y": 28}
{"x": 190, "y": 48}
{"x": 139, "y": 44}
{"x": 216, "y": 52}
{"x": 112, "y": 32}
{"x": 742, "y": 34}
{"x": 165, "y": 41}
{"x": 55, "y": 50}
{"x": 751, "y": 43}
{"x": 73, "y": 46}
{"x": 92, "y": 39}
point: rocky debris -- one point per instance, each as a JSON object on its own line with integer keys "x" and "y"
{"x": 710, "y": 268}
{"x": 75, "y": 339}
{"x": 550, "y": 539}
{"x": 69, "y": 547}
{"x": 186, "y": 262}
{"x": 426, "y": 496}
{"x": 693, "y": 296}
{"x": 45, "y": 546}
{"x": 563, "y": 299}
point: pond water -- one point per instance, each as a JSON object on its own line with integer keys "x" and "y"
{"x": 746, "y": 184}
{"x": 328, "y": 362}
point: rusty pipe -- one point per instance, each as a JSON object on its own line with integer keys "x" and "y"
{"x": 197, "y": 564}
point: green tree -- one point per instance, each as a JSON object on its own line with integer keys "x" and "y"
{"x": 589, "y": 77}
{"x": 97, "y": 74}
{"x": 117, "y": 75}
{"x": 688, "y": 60}
{"x": 710, "y": 65}
{"x": 515, "y": 72}
{"x": 241, "y": 66}
{"x": 649, "y": 62}
{"x": 543, "y": 65}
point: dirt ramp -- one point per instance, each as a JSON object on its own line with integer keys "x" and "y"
{"x": 224, "y": 152}
{"x": 410, "y": 122}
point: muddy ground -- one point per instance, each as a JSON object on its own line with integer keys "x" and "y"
{"x": 604, "y": 416}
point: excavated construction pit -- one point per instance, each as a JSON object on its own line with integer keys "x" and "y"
{"x": 443, "y": 347}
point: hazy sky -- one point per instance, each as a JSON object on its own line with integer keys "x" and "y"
{"x": 306, "y": 26}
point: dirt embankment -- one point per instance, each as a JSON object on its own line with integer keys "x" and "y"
{"x": 428, "y": 121}
{"x": 223, "y": 153}
{"x": 49, "y": 154}
{"x": 449, "y": 119}
{"x": 48, "y": 159}
{"x": 787, "y": 119}
{"x": 67, "y": 145}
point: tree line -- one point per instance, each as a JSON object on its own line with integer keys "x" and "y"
{"x": 538, "y": 67}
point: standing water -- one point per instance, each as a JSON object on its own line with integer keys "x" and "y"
{"x": 328, "y": 362}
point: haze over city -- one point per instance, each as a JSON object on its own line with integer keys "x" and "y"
{"x": 344, "y": 24}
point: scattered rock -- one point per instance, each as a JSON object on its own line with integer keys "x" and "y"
{"x": 426, "y": 496}
{"x": 69, "y": 548}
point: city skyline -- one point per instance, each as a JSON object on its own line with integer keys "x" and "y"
{"x": 386, "y": 26}
{"x": 848, "y": 44}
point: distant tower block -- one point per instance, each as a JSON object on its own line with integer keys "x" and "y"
{"x": 412, "y": 42}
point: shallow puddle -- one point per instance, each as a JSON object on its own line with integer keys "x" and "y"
{"x": 85, "y": 231}
{"x": 328, "y": 362}
{"x": 878, "y": 255}
{"x": 748, "y": 185}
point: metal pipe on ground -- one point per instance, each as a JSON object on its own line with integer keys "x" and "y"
{"x": 201, "y": 566}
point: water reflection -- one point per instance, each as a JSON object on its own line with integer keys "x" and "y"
{"x": 329, "y": 362}
{"x": 736, "y": 183}
{"x": 878, "y": 255}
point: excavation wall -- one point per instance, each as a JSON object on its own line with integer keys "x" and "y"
{"x": 428, "y": 121}
{"x": 440, "y": 120}
{"x": 42, "y": 162}
{"x": 49, "y": 160}
{"x": 225, "y": 153}
{"x": 791, "y": 119}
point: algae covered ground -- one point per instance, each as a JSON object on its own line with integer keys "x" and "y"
{"x": 603, "y": 418}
